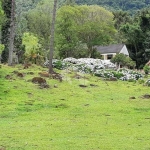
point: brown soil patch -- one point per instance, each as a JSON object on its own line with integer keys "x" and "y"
{"x": 44, "y": 74}
{"x": 83, "y": 86}
{"x": 56, "y": 76}
{"x": 38, "y": 80}
{"x": 26, "y": 66}
{"x": 146, "y": 96}
{"x": 132, "y": 97}
{"x": 8, "y": 77}
{"x": 19, "y": 74}
{"x": 93, "y": 85}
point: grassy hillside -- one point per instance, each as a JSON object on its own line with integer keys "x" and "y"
{"x": 104, "y": 115}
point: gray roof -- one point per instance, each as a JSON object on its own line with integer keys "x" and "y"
{"x": 115, "y": 48}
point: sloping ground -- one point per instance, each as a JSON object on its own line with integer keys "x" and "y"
{"x": 100, "y": 115}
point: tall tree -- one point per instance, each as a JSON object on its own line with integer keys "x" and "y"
{"x": 66, "y": 31}
{"x": 12, "y": 33}
{"x": 6, "y": 6}
{"x": 52, "y": 37}
{"x": 39, "y": 22}
{"x": 95, "y": 26}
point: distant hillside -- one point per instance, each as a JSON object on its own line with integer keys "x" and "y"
{"x": 125, "y": 5}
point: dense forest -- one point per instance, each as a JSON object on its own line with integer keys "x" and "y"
{"x": 78, "y": 28}
{"x": 125, "y": 5}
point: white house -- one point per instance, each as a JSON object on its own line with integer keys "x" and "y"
{"x": 110, "y": 51}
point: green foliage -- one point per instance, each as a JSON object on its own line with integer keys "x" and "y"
{"x": 95, "y": 26}
{"x": 59, "y": 65}
{"x": 118, "y": 75}
{"x": 125, "y": 5}
{"x": 146, "y": 69}
{"x": 147, "y": 83}
{"x": 119, "y": 59}
{"x": 136, "y": 33}
{"x": 2, "y": 15}
{"x": 39, "y": 22}
{"x": 32, "y": 46}
{"x": 66, "y": 31}
{"x": 6, "y": 7}
{"x": 90, "y": 25}
{"x": 1, "y": 48}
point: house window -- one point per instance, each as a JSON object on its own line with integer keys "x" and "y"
{"x": 109, "y": 57}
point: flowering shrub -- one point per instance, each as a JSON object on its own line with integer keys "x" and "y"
{"x": 59, "y": 65}
{"x": 147, "y": 82}
{"x": 122, "y": 74}
{"x": 97, "y": 67}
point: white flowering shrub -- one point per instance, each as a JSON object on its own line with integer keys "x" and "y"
{"x": 147, "y": 82}
{"x": 97, "y": 67}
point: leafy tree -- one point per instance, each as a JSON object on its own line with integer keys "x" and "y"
{"x": 66, "y": 31}
{"x": 39, "y": 22}
{"x": 137, "y": 37}
{"x": 32, "y": 47}
{"x": 1, "y": 49}
{"x": 121, "y": 18}
{"x": 119, "y": 59}
{"x": 134, "y": 36}
{"x": 146, "y": 69}
{"x": 95, "y": 26}
{"x": 2, "y": 16}
{"x": 6, "y": 6}
{"x": 125, "y": 5}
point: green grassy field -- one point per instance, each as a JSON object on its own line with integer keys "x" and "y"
{"x": 101, "y": 116}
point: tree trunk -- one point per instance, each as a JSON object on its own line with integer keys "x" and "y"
{"x": 12, "y": 33}
{"x": 52, "y": 38}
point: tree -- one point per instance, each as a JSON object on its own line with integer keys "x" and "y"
{"x": 6, "y": 6}
{"x": 1, "y": 49}
{"x": 121, "y": 59}
{"x": 66, "y": 31}
{"x": 32, "y": 47}
{"x": 39, "y": 22}
{"x": 12, "y": 33}
{"x": 95, "y": 26}
{"x": 121, "y": 18}
{"x": 2, "y": 16}
{"x": 52, "y": 37}
{"x": 137, "y": 37}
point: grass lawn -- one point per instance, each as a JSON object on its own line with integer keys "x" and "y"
{"x": 101, "y": 116}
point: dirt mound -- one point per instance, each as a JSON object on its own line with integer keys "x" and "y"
{"x": 77, "y": 76}
{"x": 44, "y": 74}
{"x": 44, "y": 85}
{"x": 56, "y": 76}
{"x": 8, "y": 77}
{"x": 146, "y": 96}
{"x": 93, "y": 85}
{"x": 19, "y": 74}
{"x": 38, "y": 80}
{"x": 132, "y": 97}
{"x": 83, "y": 86}
{"x": 26, "y": 66}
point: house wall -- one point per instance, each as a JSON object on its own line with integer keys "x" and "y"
{"x": 105, "y": 56}
{"x": 124, "y": 50}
